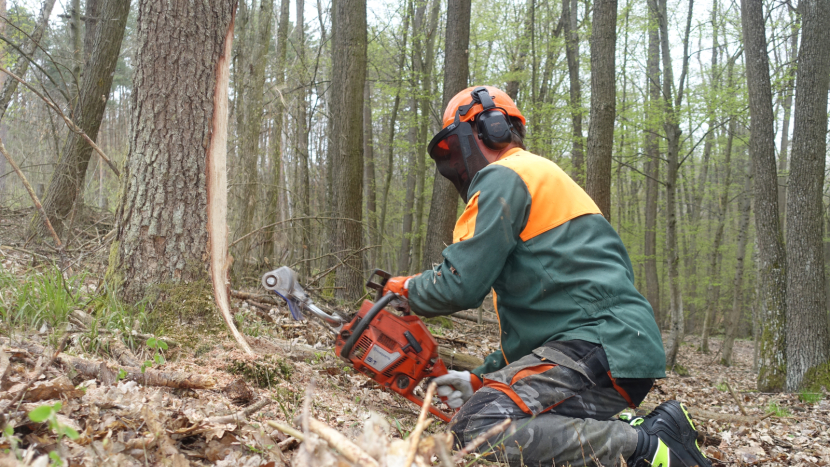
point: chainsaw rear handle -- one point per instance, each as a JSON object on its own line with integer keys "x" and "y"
{"x": 379, "y": 285}
{"x": 363, "y": 324}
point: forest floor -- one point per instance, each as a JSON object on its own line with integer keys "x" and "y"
{"x": 112, "y": 414}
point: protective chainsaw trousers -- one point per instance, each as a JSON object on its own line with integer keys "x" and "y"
{"x": 561, "y": 400}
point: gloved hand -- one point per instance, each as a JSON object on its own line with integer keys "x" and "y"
{"x": 398, "y": 285}
{"x": 457, "y": 386}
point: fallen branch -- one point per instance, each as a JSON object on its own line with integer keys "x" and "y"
{"x": 34, "y": 197}
{"x": 240, "y": 416}
{"x": 481, "y": 439}
{"x": 350, "y": 451}
{"x": 258, "y": 297}
{"x": 735, "y": 396}
{"x": 467, "y": 317}
{"x": 22, "y": 392}
{"x": 415, "y": 436}
{"x": 458, "y": 361}
{"x": 286, "y": 429}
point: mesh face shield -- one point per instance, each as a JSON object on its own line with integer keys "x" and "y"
{"x": 456, "y": 155}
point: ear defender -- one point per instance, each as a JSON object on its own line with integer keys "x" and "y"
{"x": 494, "y": 129}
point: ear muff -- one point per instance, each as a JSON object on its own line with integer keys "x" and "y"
{"x": 493, "y": 126}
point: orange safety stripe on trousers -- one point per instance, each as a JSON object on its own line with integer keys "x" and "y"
{"x": 622, "y": 391}
{"x": 509, "y": 392}
{"x": 534, "y": 370}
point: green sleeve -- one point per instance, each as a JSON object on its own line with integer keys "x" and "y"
{"x": 493, "y": 362}
{"x": 470, "y": 267}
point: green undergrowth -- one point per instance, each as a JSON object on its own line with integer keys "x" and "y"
{"x": 817, "y": 378}
{"x": 777, "y": 409}
{"x": 38, "y": 297}
{"x": 264, "y": 372}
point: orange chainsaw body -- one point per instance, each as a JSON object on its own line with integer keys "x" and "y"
{"x": 397, "y": 352}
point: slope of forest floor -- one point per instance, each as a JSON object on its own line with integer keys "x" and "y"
{"x": 200, "y": 401}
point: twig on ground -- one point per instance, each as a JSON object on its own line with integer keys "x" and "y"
{"x": 415, "y": 436}
{"x": 19, "y": 395}
{"x": 735, "y": 396}
{"x": 481, "y": 439}
{"x": 287, "y": 430}
{"x": 443, "y": 453}
{"x": 350, "y": 451}
{"x": 242, "y": 414}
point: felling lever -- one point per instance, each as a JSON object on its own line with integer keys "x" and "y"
{"x": 397, "y": 352}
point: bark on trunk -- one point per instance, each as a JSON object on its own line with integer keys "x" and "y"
{"x": 369, "y": 186}
{"x": 444, "y": 207}
{"x": 771, "y": 258}
{"x": 653, "y": 164}
{"x": 808, "y": 338}
{"x": 348, "y": 78}
{"x": 789, "y": 87}
{"x": 603, "y": 104}
{"x": 161, "y": 234}
{"x": 303, "y": 203}
{"x": 569, "y": 10}
{"x": 67, "y": 183}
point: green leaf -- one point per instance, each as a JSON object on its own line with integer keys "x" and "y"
{"x": 56, "y": 457}
{"x": 159, "y": 359}
{"x": 121, "y": 374}
{"x": 57, "y": 406}
{"x": 40, "y": 414}
{"x": 69, "y": 432}
{"x": 146, "y": 364}
{"x": 152, "y": 343}
{"x": 162, "y": 345}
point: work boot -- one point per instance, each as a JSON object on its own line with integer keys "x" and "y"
{"x": 667, "y": 438}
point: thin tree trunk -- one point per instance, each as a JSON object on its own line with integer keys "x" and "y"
{"x": 301, "y": 142}
{"x": 653, "y": 162}
{"x": 67, "y": 183}
{"x": 603, "y": 104}
{"x": 275, "y": 197}
{"x": 789, "y": 82}
{"x": 569, "y": 11}
{"x": 808, "y": 338}
{"x": 404, "y": 254}
{"x": 370, "y": 190}
{"x": 250, "y": 132}
{"x": 348, "y": 78}
{"x": 444, "y": 207}
{"x": 772, "y": 260}
{"x": 77, "y": 54}
{"x": 673, "y": 133}
{"x": 22, "y": 64}
{"x": 161, "y": 234}
{"x": 738, "y": 283}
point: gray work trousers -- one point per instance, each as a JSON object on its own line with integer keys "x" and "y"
{"x": 571, "y": 400}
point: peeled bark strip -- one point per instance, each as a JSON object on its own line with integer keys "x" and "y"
{"x": 217, "y": 191}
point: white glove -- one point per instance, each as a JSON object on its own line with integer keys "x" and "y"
{"x": 456, "y": 386}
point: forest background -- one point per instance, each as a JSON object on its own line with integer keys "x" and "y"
{"x": 672, "y": 164}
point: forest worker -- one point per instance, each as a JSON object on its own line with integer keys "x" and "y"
{"x": 579, "y": 343}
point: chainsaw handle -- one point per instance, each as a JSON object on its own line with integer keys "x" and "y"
{"x": 364, "y": 323}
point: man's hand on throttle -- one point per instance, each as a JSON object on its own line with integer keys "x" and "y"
{"x": 457, "y": 386}
{"x": 398, "y": 285}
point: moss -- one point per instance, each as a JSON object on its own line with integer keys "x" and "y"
{"x": 817, "y": 377}
{"x": 185, "y": 312}
{"x": 441, "y": 321}
{"x": 264, "y": 373}
{"x": 679, "y": 369}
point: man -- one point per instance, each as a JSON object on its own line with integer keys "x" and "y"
{"x": 578, "y": 342}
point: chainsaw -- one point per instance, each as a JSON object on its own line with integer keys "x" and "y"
{"x": 397, "y": 352}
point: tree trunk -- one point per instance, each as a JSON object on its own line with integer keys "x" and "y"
{"x": 348, "y": 78}
{"x": 569, "y": 10}
{"x": 603, "y": 104}
{"x": 673, "y": 133}
{"x": 444, "y": 207}
{"x": 370, "y": 190}
{"x": 67, "y": 183}
{"x": 275, "y": 198}
{"x": 772, "y": 260}
{"x": 77, "y": 54}
{"x": 785, "y": 124}
{"x": 653, "y": 162}
{"x": 738, "y": 283}
{"x": 303, "y": 197}
{"x": 161, "y": 234}
{"x": 259, "y": 26}
{"x": 808, "y": 339}
{"x": 425, "y": 68}
{"x": 713, "y": 288}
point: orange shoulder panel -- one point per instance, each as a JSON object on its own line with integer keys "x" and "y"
{"x": 555, "y": 197}
{"x": 465, "y": 227}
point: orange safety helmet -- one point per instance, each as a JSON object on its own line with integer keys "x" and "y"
{"x": 500, "y": 98}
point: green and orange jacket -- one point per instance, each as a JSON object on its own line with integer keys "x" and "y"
{"x": 557, "y": 268}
